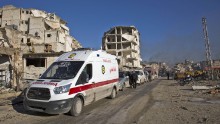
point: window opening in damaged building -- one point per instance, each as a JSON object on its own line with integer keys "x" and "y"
{"x": 48, "y": 35}
{"x": 37, "y": 62}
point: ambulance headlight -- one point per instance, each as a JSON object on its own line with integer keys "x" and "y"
{"x": 62, "y": 89}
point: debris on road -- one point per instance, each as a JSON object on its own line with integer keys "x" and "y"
{"x": 209, "y": 89}
{"x": 202, "y": 87}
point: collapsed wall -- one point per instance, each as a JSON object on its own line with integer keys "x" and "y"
{"x": 29, "y": 37}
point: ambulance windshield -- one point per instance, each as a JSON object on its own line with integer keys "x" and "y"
{"x": 62, "y": 70}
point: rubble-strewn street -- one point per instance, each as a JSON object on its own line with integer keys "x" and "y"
{"x": 159, "y": 101}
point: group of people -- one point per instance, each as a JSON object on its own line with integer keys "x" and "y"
{"x": 133, "y": 77}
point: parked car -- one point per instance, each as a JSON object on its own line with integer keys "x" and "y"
{"x": 123, "y": 80}
{"x": 141, "y": 76}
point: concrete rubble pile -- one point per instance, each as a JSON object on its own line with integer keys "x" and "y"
{"x": 207, "y": 87}
{"x": 3, "y": 89}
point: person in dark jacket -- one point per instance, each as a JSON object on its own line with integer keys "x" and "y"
{"x": 130, "y": 79}
{"x": 135, "y": 77}
{"x": 168, "y": 75}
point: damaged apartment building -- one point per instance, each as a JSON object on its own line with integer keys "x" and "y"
{"x": 123, "y": 42}
{"x": 30, "y": 40}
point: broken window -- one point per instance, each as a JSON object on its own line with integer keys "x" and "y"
{"x": 22, "y": 40}
{"x": 37, "y": 62}
{"x": 29, "y": 42}
{"x": 113, "y": 40}
{"x": 118, "y": 46}
{"x": 109, "y": 46}
{"x": 47, "y": 27}
{"x": 108, "y": 39}
{"x": 112, "y": 32}
{"x": 119, "y": 53}
{"x": 26, "y": 22}
{"x": 27, "y": 12}
{"x": 37, "y": 34}
{"x": 22, "y": 11}
{"x": 118, "y": 38}
{"x": 26, "y": 32}
{"x": 129, "y": 31}
{"x": 0, "y": 16}
{"x": 118, "y": 31}
{"x": 48, "y": 35}
{"x": 48, "y": 48}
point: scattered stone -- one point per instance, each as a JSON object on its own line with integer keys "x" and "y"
{"x": 184, "y": 108}
{"x": 202, "y": 120}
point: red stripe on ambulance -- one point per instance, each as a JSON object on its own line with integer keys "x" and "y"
{"x": 89, "y": 86}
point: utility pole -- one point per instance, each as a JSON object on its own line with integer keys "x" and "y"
{"x": 207, "y": 48}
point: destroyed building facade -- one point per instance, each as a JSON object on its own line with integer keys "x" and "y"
{"x": 124, "y": 43}
{"x": 30, "y": 40}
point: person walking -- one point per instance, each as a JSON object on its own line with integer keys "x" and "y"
{"x": 135, "y": 77}
{"x": 168, "y": 75}
{"x": 130, "y": 79}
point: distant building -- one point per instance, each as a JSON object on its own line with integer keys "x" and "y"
{"x": 30, "y": 40}
{"x": 152, "y": 68}
{"x": 124, "y": 42}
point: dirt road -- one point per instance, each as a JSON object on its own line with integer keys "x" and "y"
{"x": 160, "y": 101}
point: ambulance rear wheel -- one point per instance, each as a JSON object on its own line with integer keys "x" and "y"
{"x": 113, "y": 94}
{"x": 77, "y": 106}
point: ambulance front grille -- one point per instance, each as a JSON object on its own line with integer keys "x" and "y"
{"x": 38, "y": 93}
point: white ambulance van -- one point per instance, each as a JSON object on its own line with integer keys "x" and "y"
{"x": 74, "y": 80}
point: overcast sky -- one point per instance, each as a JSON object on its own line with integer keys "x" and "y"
{"x": 171, "y": 30}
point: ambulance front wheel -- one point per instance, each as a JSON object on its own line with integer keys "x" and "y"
{"x": 113, "y": 94}
{"x": 77, "y": 106}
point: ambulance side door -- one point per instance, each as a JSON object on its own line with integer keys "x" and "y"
{"x": 85, "y": 81}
